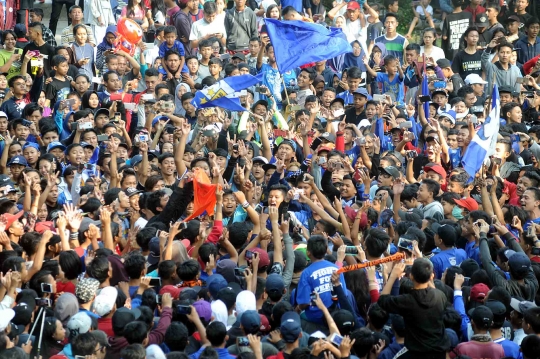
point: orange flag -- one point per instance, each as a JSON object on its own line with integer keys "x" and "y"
{"x": 204, "y": 194}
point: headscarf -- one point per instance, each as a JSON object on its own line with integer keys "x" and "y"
{"x": 179, "y": 110}
{"x": 349, "y": 60}
{"x": 219, "y": 312}
{"x": 384, "y": 52}
{"x": 119, "y": 273}
{"x": 104, "y": 45}
{"x": 85, "y": 104}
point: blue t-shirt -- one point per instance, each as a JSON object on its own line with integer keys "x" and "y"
{"x": 447, "y": 258}
{"x": 272, "y": 80}
{"x": 395, "y": 86}
{"x": 473, "y": 251}
{"x": 511, "y": 349}
{"x": 317, "y": 277}
{"x": 346, "y": 96}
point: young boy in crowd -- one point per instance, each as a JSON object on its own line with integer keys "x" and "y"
{"x": 60, "y": 85}
{"x": 171, "y": 43}
{"x": 392, "y": 80}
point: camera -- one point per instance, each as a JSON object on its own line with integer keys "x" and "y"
{"x": 351, "y": 250}
{"x": 242, "y": 342}
{"x": 405, "y": 244}
{"x": 249, "y": 255}
{"x": 183, "y": 309}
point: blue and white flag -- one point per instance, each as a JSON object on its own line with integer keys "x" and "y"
{"x": 483, "y": 144}
{"x": 224, "y": 93}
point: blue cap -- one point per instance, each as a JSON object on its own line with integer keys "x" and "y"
{"x": 274, "y": 282}
{"x": 450, "y": 114}
{"x": 54, "y": 145}
{"x": 153, "y": 257}
{"x": 31, "y": 144}
{"x": 361, "y": 91}
{"x": 451, "y": 334}
{"x": 157, "y": 118}
{"x": 215, "y": 283}
{"x": 251, "y": 321}
{"x": 86, "y": 145}
{"x": 290, "y": 143}
{"x": 18, "y": 160}
{"x": 291, "y": 326}
{"x": 136, "y": 160}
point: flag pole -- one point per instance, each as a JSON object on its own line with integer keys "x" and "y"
{"x": 488, "y": 109}
{"x": 285, "y": 88}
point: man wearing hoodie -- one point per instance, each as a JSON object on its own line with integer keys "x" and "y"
{"x": 422, "y": 310}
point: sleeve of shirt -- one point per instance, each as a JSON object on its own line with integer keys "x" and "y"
{"x": 303, "y": 290}
{"x": 459, "y": 306}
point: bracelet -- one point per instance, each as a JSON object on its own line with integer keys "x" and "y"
{"x": 74, "y": 235}
{"x": 245, "y": 204}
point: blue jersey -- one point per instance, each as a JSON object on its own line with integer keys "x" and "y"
{"x": 447, "y": 258}
{"x": 473, "y": 251}
{"x": 395, "y": 46}
{"x": 317, "y": 278}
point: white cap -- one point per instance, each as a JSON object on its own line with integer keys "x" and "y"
{"x": 473, "y": 79}
{"x": 3, "y": 114}
{"x": 5, "y": 317}
{"x": 245, "y": 300}
{"x": 154, "y": 352}
{"x": 105, "y": 301}
{"x": 364, "y": 123}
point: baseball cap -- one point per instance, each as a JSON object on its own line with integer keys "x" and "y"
{"x": 228, "y": 294}
{"x": 136, "y": 160}
{"x": 5, "y": 180}
{"x": 444, "y": 63}
{"x": 324, "y": 148}
{"x": 497, "y": 308}
{"x": 506, "y": 89}
{"x": 214, "y": 284}
{"x": 330, "y": 137}
{"x": 353, "y": 5}
{"x": 264, "y": 260}
{"x": 274, "y": 283}
{"x": 3, "y": 114}
{"x": 245, "y": 300}
{"x": 438, "y": 169}
{"x": 288, "y": 143}
{"x": 11, "y": 218}
{"x": 469, "y": 266}
{"x": 473, "y": 79}
{"x": 519, "y": 263}
{"x": 361, "y": 91}
{"x": 521, "y": 306}
{"x": 204, "y": 309}
{"x": 239, "y": 55}
{"x": 440, "y": 91}
{"x": 54, "y": 145}
{"x": 85, "y": 224}
{"x": 172, "y": 290}
{"x": 251, "y": 321}
{"x": 105, "y": 301}
{"x": 512, "y": 18}
{"x": 479, "y": 292}
{"x": 291, "y": 326}
{"x": 122, "y": 317}
{"x": 154, "y": 351}
{"x": 468, "y": 203}
{"x": 101, "y": 111}
{"x": 80, "y": 323}
{"x": 17, "y": 160}
{"x": 445, "y": 231}
{"x": 5, "y": 317}
{"x": 130, "y": 191}
{"x": 260, "y": 159}
{"x": 344, "y": 320}
{"x": 481, "y": 20}
{"x": 31, "y": 144}
{"x": 155, "y": 254}
{"x": 451, "y": 115}
{"x": 86, "y": 289}
{"x": 482, "y": 315}
{"x": 23, "y": 314}
{"x": 390, "y": 170}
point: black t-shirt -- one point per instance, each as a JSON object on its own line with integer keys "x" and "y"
{"x": 458, "y": 83}
{"x": 466, "y": 64}
{"x": 57, "y": 90}
{"x": 488, "y": 34}
{"x": 44, "y": 49}
{"x": 353, "y": 118}
{"x": 524, "y": 18}
{"x": 453, "y": 27}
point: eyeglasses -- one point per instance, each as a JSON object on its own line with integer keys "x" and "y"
{"x": 215, "y": 47}
{"x": 356, "y": 48}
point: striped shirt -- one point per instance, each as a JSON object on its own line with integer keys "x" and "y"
{"x": 395, "y": 46}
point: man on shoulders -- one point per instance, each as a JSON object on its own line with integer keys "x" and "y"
{"x": 36, "y": 15}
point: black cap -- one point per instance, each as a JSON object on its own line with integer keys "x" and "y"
{"x": 482, "y": 316}
{"x": 506, "y": 88}
{"x": 444, "y": 63}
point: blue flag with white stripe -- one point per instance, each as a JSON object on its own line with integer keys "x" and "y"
{"x": 483, "y": 144}
{"x": 224, "y": 93}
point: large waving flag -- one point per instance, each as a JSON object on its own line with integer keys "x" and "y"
{"x": 297, "y": 43}
{"x": 483, "y": 144}
{"x": 224, "y": 93}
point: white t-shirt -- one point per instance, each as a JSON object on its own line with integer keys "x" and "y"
{"x": 354, "y": 31}
{"x": 420, "y": 10}
{"x": 436, "y": 52}
{"x": 201, "y": 28}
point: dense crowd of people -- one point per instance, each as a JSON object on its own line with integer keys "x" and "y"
{"x": 336, "y": 216}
